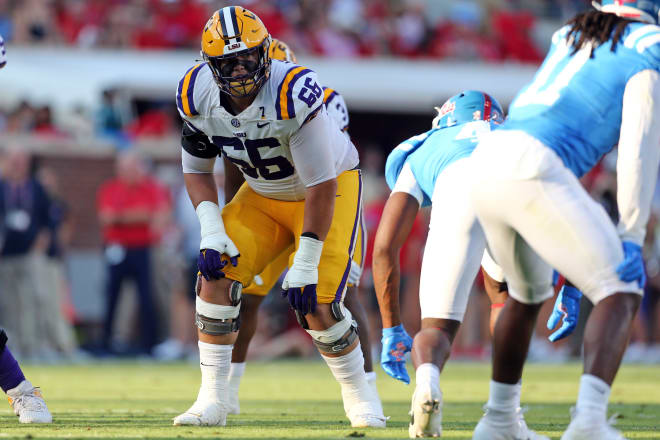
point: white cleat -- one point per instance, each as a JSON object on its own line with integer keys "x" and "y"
{"x": 587, "y": 427}
{"x": 426, "y": 413}
{"x": 489, "y": 429}
{"x": 366, "y": 415}
{"x": 203, "y": 414}
{"x": 28, "y": 404}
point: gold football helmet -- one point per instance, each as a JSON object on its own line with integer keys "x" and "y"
{"x": 279, "y": 50}
{"x": 235, "y": 37}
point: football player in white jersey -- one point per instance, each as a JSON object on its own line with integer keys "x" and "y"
{"x": 302, "y": 187}
{"x": 263, "y": 283}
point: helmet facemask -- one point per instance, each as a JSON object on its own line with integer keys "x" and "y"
{"x": 248, "y": 84}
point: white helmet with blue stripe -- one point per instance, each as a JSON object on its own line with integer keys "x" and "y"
{"x": 641, "y": 10}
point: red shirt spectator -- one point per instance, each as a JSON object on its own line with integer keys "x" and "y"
{"x": 153, "y": 123}
{"x": 129, "y": 204}
{"x": 410, "y": 257}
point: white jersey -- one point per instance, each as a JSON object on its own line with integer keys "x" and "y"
{"x": 336, "y": 107}
{"x": 258, "y": 139}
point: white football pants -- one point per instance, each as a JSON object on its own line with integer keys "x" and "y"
{"x": 534, "y": 210}
{"x": 454, "y": 247}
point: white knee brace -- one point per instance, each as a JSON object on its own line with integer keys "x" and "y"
{"x": 215, "y": 319}
{"x": 337, "y": 337}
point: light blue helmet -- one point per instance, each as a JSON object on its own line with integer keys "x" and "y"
{"x": 468, "y": 106}
{"x": 641, "y": 10}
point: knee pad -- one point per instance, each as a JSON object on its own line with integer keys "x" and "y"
{"x": 3, "y": 339}
{"x": 337, "y": 337}
{"x": 216, "y": 320}
{"x": 336, "y": 309}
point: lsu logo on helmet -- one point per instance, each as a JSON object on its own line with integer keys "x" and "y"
{"x": 235, "y": 45}
{"x": 279, "y": 50}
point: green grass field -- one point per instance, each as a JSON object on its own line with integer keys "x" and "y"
{"x": 302, "y": 400}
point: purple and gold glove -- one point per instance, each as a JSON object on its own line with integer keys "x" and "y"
{"x": 215, "y": 242}
{"x": 300, "y": 282}
{"x": 302, "y": 299}
{"x": 210, "y": 264}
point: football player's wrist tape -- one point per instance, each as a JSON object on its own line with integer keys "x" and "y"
{"x": 308, "y": 253}
{"x": 212, "y": 227}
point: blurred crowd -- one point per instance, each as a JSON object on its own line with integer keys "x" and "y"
{"x": 150, "y": 236}
{"x": 116, "y": 120}
{"x": 465, "y": 29}
{"x": 489, "y": 30}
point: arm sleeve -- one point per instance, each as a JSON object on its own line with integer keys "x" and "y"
{"x": 312, "y": 152}
{"x": 406, "y": 183}
{"x": 196, "y": 165}
{"x": 198, "y": 153}
{"x": 639, "y": 154}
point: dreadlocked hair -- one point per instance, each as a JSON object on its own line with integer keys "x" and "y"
{"x": 595, "y": 27}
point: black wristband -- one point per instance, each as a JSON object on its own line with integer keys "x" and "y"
{"x": 310, "y": 235}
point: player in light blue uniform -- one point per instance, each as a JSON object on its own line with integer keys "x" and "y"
{"x": 433, "y": 168}
{"x": 598, "y": 86}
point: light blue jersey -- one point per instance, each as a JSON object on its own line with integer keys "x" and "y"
{"x": 429, "y": 153}
{"x": 574, "y": 103}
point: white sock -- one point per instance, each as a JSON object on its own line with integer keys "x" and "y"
{"x": 427, "y": 375}
{"x": 593, "y": 395}
{"x": 371, "y": 380}
{"x": 504, "y": 400}
{"x": 518, "y": 392}
{"x": 214, "y": 362}
{"x": 236, "y": 371}
{"x": 349, "y": 372}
